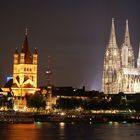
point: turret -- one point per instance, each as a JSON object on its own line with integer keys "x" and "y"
{"x": 16, "y": 57}
{"x": 22, "y": 56}
{"x": 35, "y": 56}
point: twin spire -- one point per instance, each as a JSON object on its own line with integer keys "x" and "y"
{"x": 112, "y": 39}
{"x": 126, "y": 42}
{"x": 127, "y": 36}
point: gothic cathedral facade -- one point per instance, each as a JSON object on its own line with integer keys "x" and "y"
{"x": 119, "y": 71}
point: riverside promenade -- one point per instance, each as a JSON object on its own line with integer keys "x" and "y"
{"x": 70, "y": 116}
{"x": 88, "y": 117}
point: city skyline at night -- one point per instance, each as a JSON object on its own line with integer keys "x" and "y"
{"x": 74, "y": 33}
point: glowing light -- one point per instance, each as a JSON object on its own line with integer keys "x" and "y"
{"x": 38, "y": 124}
{"x": 62, "y": 124}
{"x": 62, "y": 113}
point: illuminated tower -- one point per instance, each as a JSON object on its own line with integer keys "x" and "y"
{"x": 112, "y": 63}
{"x": 25, "y": 70}
{"x": 127, "y": 55}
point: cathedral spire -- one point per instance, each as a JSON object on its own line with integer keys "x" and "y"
{"x": 112, "y": 63}
{"x": 112, "y": 40}
{"x": 127, "y": 54}
{"x": 127, "y": 36}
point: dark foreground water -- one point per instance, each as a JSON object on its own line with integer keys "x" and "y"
{"x": 69, "y": 131}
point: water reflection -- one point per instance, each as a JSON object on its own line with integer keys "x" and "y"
{"x": 68, "y": 131}
{"x": 61, "y": 130}
{"x": 22, "y": 132}
{"x": 38, "y": 124}
{"x": 62, "y": 125}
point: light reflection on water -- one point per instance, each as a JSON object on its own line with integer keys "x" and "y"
{"x": 70, "y": 131}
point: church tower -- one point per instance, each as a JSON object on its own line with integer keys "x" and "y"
{"x": 127, "y": 55}
{"x": 112, "y": 64}
{"x": 25, "y": 70}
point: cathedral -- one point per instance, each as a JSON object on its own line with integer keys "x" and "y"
{"x": 119, "y": 71}
{"x": 24, "y": 73}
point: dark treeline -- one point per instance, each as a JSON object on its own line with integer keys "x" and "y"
{"x": 105, "y": 102}
{"x": 7, "y": 100}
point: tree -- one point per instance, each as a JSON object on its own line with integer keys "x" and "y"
{"x": 136, "y": 102}
{"x": 37, "y": 101}
{"x": 68, "y": 103}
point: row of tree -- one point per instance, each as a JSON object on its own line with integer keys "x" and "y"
{"x": 118, "y": 101}
{"x": 105, "y": 102}
{"x": 7, "y": 100}
{"x": 37, "y": 100}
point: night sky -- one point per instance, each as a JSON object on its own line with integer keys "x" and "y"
{"x": 74, "y": 33}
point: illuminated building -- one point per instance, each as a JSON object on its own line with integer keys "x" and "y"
{"x": 24, "y": 72}
{"x": 119, "y": 71}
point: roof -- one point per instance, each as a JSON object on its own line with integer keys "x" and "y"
{"x": 28, "y": 59}
{"x": 28, "y": 86}
{"x": 35, "y": 51}
{"x": 9, "y": 84}
{"x": 16, "y": 51}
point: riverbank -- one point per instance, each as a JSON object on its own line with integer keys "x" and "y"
{"x": 16, "y": 117}
{"x": 94, "y": 118}
{"x": 24, "y": 117}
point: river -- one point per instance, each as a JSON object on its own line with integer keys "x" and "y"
{"x": 70, "y": 131}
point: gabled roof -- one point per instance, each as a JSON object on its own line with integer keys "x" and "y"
{"x": 35, "y": 51}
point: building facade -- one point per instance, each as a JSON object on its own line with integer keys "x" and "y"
{"x": 24, "y": 73}
{"x": 119, "y": 71}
